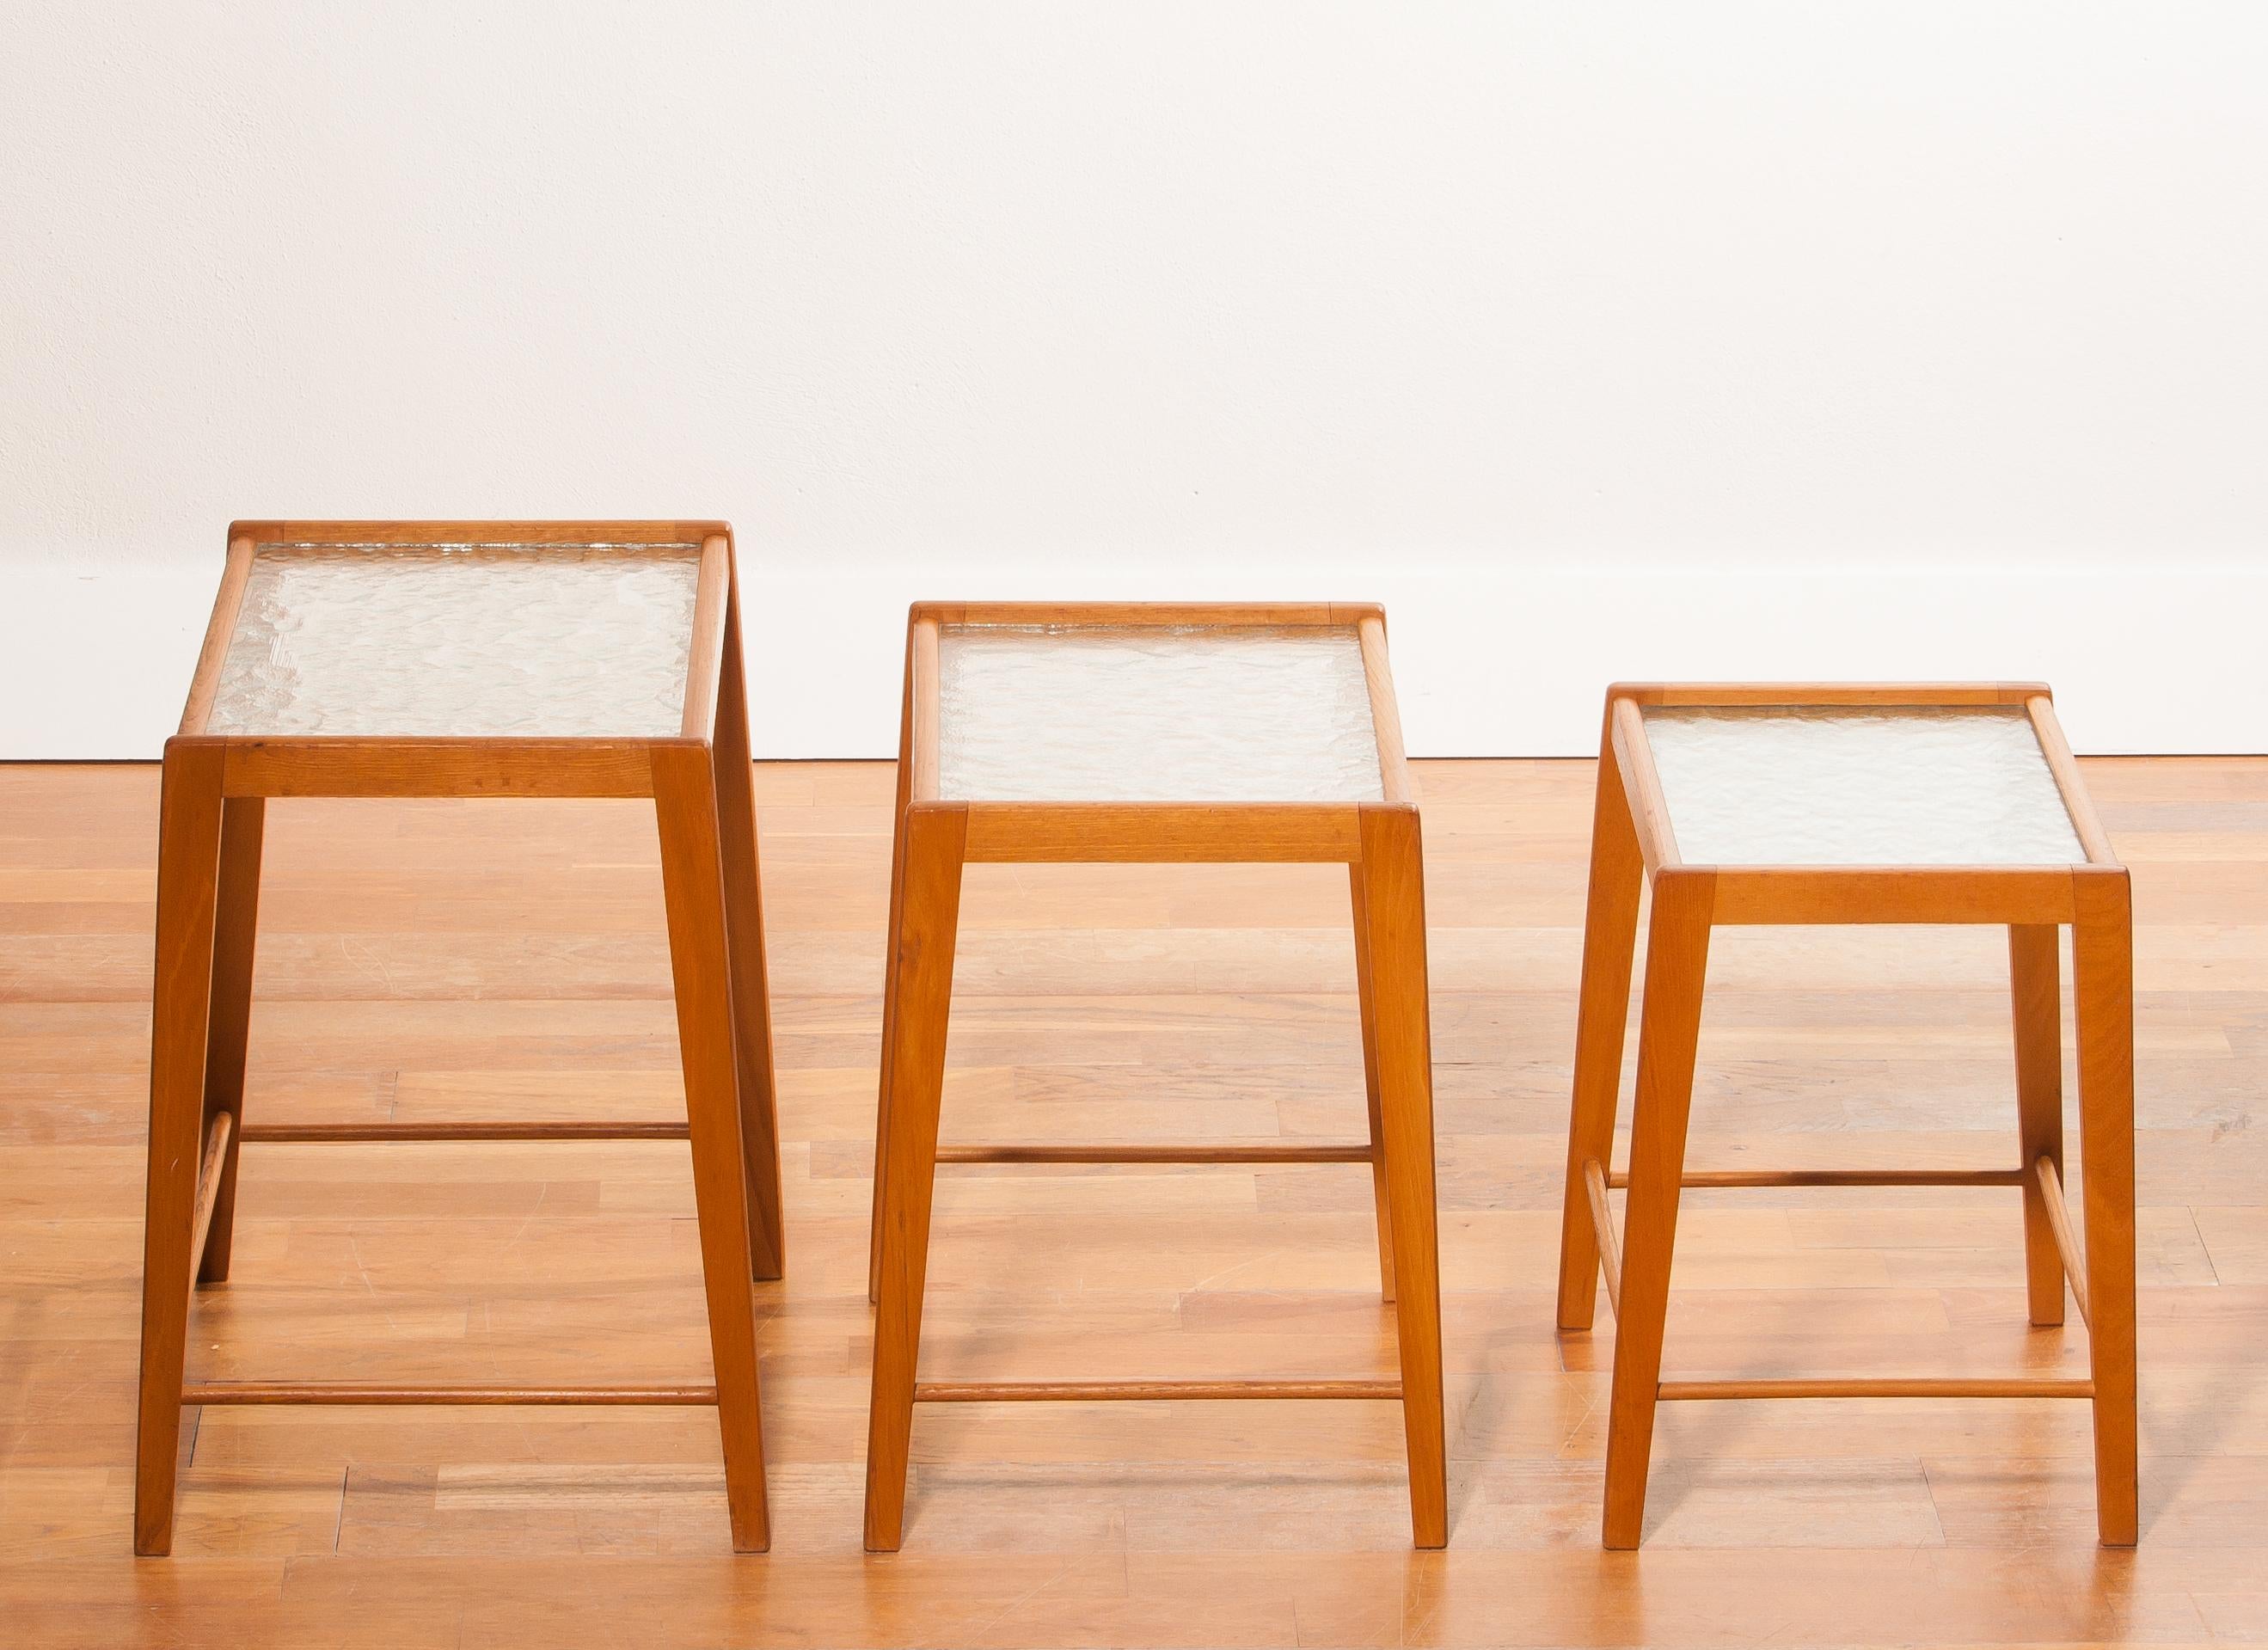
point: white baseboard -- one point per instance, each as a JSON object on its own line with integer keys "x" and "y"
{"x": 93, "y": 667}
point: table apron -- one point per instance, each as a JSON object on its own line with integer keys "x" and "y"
{"x": 376, "y": 767}
{"x": 1868, "y": 893}
{"x": 1106, "y": 832}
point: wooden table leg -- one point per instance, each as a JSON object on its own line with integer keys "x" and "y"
{"x": 188, "y": 865}
{"x": 1677, "y": 965}
{"x": 2103, "y": 951}
{"x": 693, "y": 889}
{"x": 2037, "y": 992}
{"x": 235, "y": 926}
{"x": 923, "y": 943}
{"x": 890, "y": 978}
{"x": 1609, "y": 940}
{"x": 744, "y": 924}
{"x": 1366, "y": 995}
{"x": 1393, "y": 907}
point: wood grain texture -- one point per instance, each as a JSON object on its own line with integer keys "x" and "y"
{"x": 1618, "y": 883}
{"x": 2102, "y": 970}
{"x": 1117, "y": 1003}
{"x": 220, "y": 1135}
{"x": 561, "y": 1129}
{"x": 236, "y": 916}
{"x": 1402, "y": 1039}
{"x": 204, "y": 683}
{"x": 188, "y": 871}
{"x": 545, "y": 532}
{"x": 364, "y": 1394}
{"x": 1145, "y": 1391}
{"x": 923, "y": 947}
{"x": 352, "y": 765}
{"x": 2035, "y": 998}
{"x": 1384, "y": 711}
{"x": 902, "y": 781}
{"x": 2085, "y": 819}
{"x": 744, "y": 926}
{"x": 1606, "y": 1243}
{"x": 1874, "y": 1387}
{"x": 1266, "y": 1152}
{"x": 2048, "y": 1184}
{"x": 1367, "y": 1008}
{"x": 1267, "y": 613}
{"x": 711, "y": 646}
{"x": 1851, "y": 693}
{"x": 685, "y": 802}
{"x": 1088, "y": 833}
{"x": 1676, "y": 964}
{"x": 1892, "y": 894}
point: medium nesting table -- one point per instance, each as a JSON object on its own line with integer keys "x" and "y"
{"x": 588, "y": 659}
{"x": 1848, "y": 804}
{"x": 1145, "y": 732}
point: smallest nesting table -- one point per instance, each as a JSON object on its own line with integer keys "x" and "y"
{"x": 1143, "y": 732}
{"x": 1851, "y": 804}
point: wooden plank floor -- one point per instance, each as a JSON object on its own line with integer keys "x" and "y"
{"x": 466, "y": 959}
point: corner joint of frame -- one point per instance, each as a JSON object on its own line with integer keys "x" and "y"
{"x": 1691, "y": 884}
{"x": 2102, "y": 892}
{"x": 1388, "y": 828}
{"x": 676, "y": 760}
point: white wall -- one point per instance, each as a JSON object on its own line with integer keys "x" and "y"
{"x": 1903, "y": 338}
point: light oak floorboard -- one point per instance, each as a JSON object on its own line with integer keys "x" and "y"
{"x": 431, "y": 961}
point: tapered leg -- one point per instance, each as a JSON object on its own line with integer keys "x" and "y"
{"x": 744, "y": 925}
{"x": 2103, "y": 952}
{"x": 236, "y": 921}
{"x": 890, "y": 978}
{"x": 1364, "y": 993}
{"x": 1393, "y": 907}
{"x": 923, "y": 941}
{"x": 2037, "y": 996}
{"x": 1610, "y": 939}
{"x": 188, "y": 864}
{"x": 694, "y": 888}
{"x": 1677, "y": 963}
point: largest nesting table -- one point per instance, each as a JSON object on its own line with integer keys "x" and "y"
{"x": 499, "y": 658}
{"x": 1150, "y": 732}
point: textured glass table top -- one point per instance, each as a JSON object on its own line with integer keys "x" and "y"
{"x": 1835, "y": 785}
{"x": 437, "y": 641}
{"x": 1153, "y": 713}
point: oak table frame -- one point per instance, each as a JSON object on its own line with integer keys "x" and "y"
{"x": 935, "y": 837}
{"x": 1634, "y": 841}
{"x": 212, "y": 810}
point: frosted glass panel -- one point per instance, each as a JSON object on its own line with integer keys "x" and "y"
{"x": 1916, "y": 785}
{"x": 1151, "y": 713}
{"x": 556, "y": 641}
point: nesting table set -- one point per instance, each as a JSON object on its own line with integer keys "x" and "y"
{"x": 604, "y": 660}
